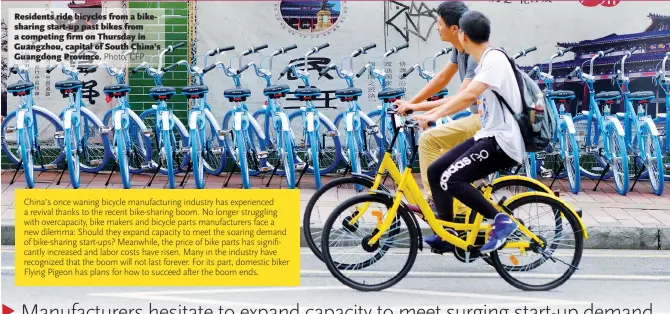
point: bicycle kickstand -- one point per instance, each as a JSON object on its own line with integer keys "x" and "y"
{"x": 116, "y": 164}
{"x": 607, "y": 169}
{"x": 16, "y": 172}
{"x": 302, "y": 173}
{"x": 160, "y": 161}
{"x": 61, "y": 174}
{"x": 556, "y": 174}
{"x": 230, "y": 175}
{"x": 274, "y": 171}
{"x": 637, "y": 177}
{"x": 346, "y": 170}
{"x": 186, "y": 175}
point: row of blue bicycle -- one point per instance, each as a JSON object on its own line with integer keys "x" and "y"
{"x": 266, "y": 142}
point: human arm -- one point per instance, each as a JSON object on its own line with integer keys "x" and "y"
{"x": 457, "y": 103}
{"x": 436, "y": 84}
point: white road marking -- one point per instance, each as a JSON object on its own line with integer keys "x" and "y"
{"x": 492, "y": 275}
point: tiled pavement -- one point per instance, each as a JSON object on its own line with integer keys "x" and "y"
{"x": 604, "y": 207}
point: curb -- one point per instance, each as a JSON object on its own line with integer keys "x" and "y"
{"x": 601, "y": 237}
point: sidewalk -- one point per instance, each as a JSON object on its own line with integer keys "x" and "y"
{"x": 639, "y": 220}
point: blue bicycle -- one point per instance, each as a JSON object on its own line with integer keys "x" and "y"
{"x": 276, "y": 126}
{"x": 79, "y": 126}
{"x": 662, "y": 121}
{"x": 612, "y": 153}
{"x": 206, "y": 145}
{"x": 565, "y": 136}
{"x": 165, "y": 120}
{"x": 313, "y": 150}
{"x": 641, "y": 135}
{"x": 131, "y": 138}
{"x": 23, "y": 122}
{"x": 388, "y": 96}
{"x": 363, "y": 137}
{"x": 245, "y": 138}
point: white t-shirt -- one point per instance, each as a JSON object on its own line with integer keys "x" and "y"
{"x": 495, "y": 71}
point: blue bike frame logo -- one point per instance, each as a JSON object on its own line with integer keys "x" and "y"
{"x": 312, "y": 17}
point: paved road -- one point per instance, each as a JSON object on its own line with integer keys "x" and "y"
{"x": 609, "y": 279}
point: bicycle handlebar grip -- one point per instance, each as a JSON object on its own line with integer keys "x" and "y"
{"x": 242, "y": 69}
{"x": 531, "y": 49}
{"x": 15, "y": 69}
{"x": 49, "y": 69}
{"x": 261, "y": 47}
{"x": 608, "y": 51}
{"x": 361, "y": 72}
{"x": 169, "y": 68}
{"x": 323, "y": 46}
{"x": 178, "y": 45}
{"x": 405, "y": 74}
{"x": 633, "y": 49}
{"x": 370, "y": 46}
{"x": 567, "y": 49}
{"x": 283, "y": 72}
{"x": 573, "y": 73}
{"x": 209, "y": 68}
{"x": 401, "y": 47}
{"x": 324, "y": 71}
{"x": 291, "y": 47}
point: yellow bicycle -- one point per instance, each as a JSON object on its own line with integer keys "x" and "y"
{"x": 393, "y": 214}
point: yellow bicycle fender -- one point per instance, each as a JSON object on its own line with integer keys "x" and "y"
{"x": 550, "y": 195}
{"x": 523, "y": 178}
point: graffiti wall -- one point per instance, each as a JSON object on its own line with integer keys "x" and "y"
{"x": 347, "y": 25}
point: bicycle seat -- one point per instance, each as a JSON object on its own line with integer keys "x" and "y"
{"x": 20, "y": 88}
{"x": 162, "y": 93}
{"x": 637, "y": 96}
{"x": 390, "y": 94}
{"x": 195, "y": 91}
{"x": 237, "y": 94}
{"x": 116, "y": 90}
{"x": 607, "y": 96}
{"x": 562, "y": 94}
{"x": 348, "y": 94}
{"x": 439, "y": 95}
{"x": 307, "y": 93}
{"x": 276, "y": 91}
{"x": 69, "y": 86}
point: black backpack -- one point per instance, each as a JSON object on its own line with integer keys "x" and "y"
{"x": 536, "y": 122}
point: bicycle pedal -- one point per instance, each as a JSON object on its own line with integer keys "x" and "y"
{"x": 105, "y": 130}
{"x": 96, "y": 162}
{"x": 147, "y": 133}
{"x": 146, "y": 166}
{"x": 331, "y": 133}
{"x": 436, "y": 251}
{"x": 218, "y": 151}
{"x": 51, "y": 166}
{"x": 265, "y": 169}
{"x": 263, "y": 154}
{"x": 224, "y": 132}
{"x": 301, "y": 145}
{"x": 300, "y": 166}
{"x": 185, "y": 150}
{"x": 597, "y": 168}
{"x": 372, "y": 129}
{"x": 58, "y": 135}
{"x": 10, "y": 129}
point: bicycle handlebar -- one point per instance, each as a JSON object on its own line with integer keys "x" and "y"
{"x": 254, "y": 49}
{"x": 363, "y": 50}
{"x": 524, "y": 52}
{"x": 220, "y": 50}
{"x": 303, "y": 74}
{"x": 408, "y": 72}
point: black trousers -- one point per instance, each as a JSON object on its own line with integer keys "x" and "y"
{"x": 452, "y": 175}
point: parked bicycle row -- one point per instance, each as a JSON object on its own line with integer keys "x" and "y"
{"x": 272, "y": 140}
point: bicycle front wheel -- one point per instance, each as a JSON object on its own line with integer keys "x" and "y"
{"x": 72, "y": 156}
{"x": 570, "y": 155}
{"x": 351, "y": 236}
{"x": 653, "y": 160}
{"x": 25, "y": 145}
{"x": 241, "y": 150}
{"x": 619, "y": 159}
{"x": 559, "y": 240}
{"x": 314, "y": 149}
{"x": 288, "y": 159}
{"x": 167, "y": 153}
{"x": 197, "y": 159}
{"x": 122, "y": 156}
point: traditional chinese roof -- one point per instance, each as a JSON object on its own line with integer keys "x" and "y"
{"x": 299, "y": 4}
{"x": 611, "y": 60}
{"x": 658, "y": 22}
{"x": 304, "y": 14}
{"x": 614, "y": 38}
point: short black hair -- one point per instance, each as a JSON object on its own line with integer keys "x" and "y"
{"x": 477, "y": 26}
{"x": 452, "y": 11}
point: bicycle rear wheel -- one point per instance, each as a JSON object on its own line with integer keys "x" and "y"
{"x": 553, "y": 250}
{"x": 406, "y": 243}
{"x": 619, "y": 162}
{"x": 122, "y": 156}
{"x": 653, "y": 160}
{"x": 72, "y": 156}
{"x": 25, "y": 145}
{"x": 197, "y": 158}
{"x": 570, "y": 155}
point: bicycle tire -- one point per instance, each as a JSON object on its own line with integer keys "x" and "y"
{"x": 326, "y": 125}
{"x": 136, "y": 136}
{"x": 354, "y": 155}
{"x": 314, "y": 149}
{"x": 197, "y": 159}
{"x": 167, "y": 152}
{"x": 122, "y": 158}
{"x": 574, "y": 177}
{"x": 27, "y": 157}
{"x": 621, "y": 181}
{"x": 654, "y": 159}
{"x": 72, "y": 157}
{"x": 90, "y": 123}
{"x": 404, "y": 216}
{"x": 241, "y": 151}
{"x": 51, "y": 119}
{"x": 288, "y": 159}
{"x": 579, "y": 242}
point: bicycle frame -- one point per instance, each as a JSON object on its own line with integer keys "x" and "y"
{"x": 663, "y": 80}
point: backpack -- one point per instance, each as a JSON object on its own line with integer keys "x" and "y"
{"x": 536, "y": 122}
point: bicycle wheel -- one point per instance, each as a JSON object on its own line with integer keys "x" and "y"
{"x": 353, "y": 153}
{"x": 407, "y": 249}
{"x": 330, "y": 153}
{"x": 241, "y": 150}
{"x": 47, "y": 148}
{"x": 619, "y": 162}
{"x": 122, "y": 157}
{"x": 138, "y": 144}
{"x": 25, "y": 146}
{"x": 167, "y": 153}
{"x": 197, "y": 158}
{"x": 288, "y": 158}
{"x": 93, "y": 144}
{"x": 72, "y": 156}
{"x": 570, "y": 155}
{"x": 653, "y": 160}
{"x": 556, "y": 240}
{"x": 314, "y": 150}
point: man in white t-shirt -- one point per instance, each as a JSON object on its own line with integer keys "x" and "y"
{"x": 496, "y": 146}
